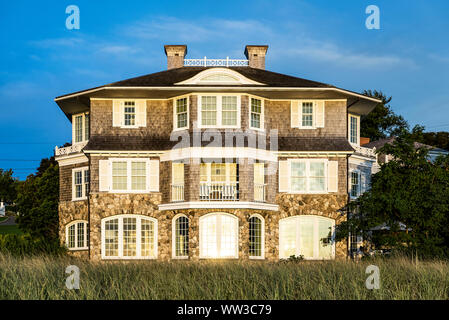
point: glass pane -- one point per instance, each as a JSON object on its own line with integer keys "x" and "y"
{"x": 209, "y": 110}
{"x": 228, "y": 244}
{"x": 255, "y": 237}
{"x": 203, "y": 172}
{"x": 307, "y": 114}
{"x": 218, "y": 172}
{"x": 111, "y": 238}
{"x": 130, "y": 113}
{"x": 298, "y": 169}
{"x": 138, "y": 175}
{"x": 208, "y": 242}
{"x": 71, "y": 236}
{"x": 80, "y": 235}
{"x": 255, "y": 120}
{"x": 119, "y": 175}
{"x": 86, "y": 126}
{"x": 287, "y": 237}
{"x": 79, "y": 128}
{"x": 181, "y": 112}
{"x": 147, "y": 238}
{"x": 317, "y": 169}
{"x": 353, "y": 130}
{"x": 229, "y": 111}
{"x": 325, "y": 238}
{"x": 182, "y": 237}
{"x": 129, "y": 237}
{"x": 306, "y": 236}
{"x": 298, "y": 184}
{"x": 317, "y": 184}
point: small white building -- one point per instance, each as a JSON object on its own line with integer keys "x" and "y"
{"x": 2, "y": 209}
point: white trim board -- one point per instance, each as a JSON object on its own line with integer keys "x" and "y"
{"x": 219, "y": 205}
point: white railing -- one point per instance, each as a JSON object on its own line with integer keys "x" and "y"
{"x": 74, "y": 148}
{"x": 215, "y": 62}
{"x": 260, "y": 192}
{"x": 219, "y": 191}
{"x": 177, "y": 192}
{"x": 367, "y": 152}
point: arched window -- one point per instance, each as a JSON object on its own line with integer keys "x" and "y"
{"x": 256, "y": 237}
{"x": 129, "y": 237}
{"x": 180, "y": 239}
{"x": 307, "y": 235}
{"x": 219, "y": 236}
{"x": 76, "y": 233}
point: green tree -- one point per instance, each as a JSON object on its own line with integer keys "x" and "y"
{"x": 8, "y": 186}
{"x": 37, "y": 201}
{"x": 382, "y": 121}
{"x": 410, "y": 191}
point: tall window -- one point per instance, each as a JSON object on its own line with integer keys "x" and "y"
{"x": 353, "y": 130}
{"x": 181, "y": 237}
{"x": 256, "y": 237}
{"x": 256, "y": 113}
{"x": 129, "y": 113}
{"x": 355, "y": 184}
{"x": 308, "y": 176}
{"x": 77, "y": 235}
{"x": 308, "y": 235}
{"x": 307, "y": 114}
{"x": 129, "y": 237}
{"x": 220, "y": 111}
{"x": 181, "y": 113}
{"x": 80, "y": 127}
{"x": 129, "y": 175}
{"x": 218, "y": 236}
{"x": 218, "y": 181}
{"x": 80, "y": 183}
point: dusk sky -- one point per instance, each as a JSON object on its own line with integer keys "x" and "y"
{"x": 326, "y": 41}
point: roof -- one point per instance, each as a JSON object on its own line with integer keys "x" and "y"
{"x": 147, "y": 143}
{"x": 380, "y": 143}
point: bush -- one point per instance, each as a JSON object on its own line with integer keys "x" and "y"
{"x": 24, "y": 245}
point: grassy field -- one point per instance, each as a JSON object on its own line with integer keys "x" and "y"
{"x": 10, "y": 229}
{"x": 44, "y": 278}
{"x": 3, "y": 219}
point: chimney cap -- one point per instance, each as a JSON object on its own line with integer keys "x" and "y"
{"x": 259, "y": 48}
{"x": 180, "y": 48}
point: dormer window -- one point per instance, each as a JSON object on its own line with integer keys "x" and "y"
{"x": 80, "y": 124}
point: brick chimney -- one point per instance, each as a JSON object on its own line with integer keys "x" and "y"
{"x": 175, "y": 55}
{"x": 256, "y": 56}
{"x": 364, "y": 141}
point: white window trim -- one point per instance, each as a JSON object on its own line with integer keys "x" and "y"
{"x": 262, "y": 113}
{"x": 358, "y": 129}
{"x": 85, "y": 247}
{"x": 359, "y": 191}
{"x": 308, "y": 161}
{"x": 262, "y": 221}
{"x": 120, "y": 237}
{"x": 219, "y": 110}
{"x": 175, "y": 115}
{"x": 297, "y": 220}
{"x": 236, "y": 254}
{"x": 122, "y": 114}
{"x": 83, "y": 129}
{"x": 84, "y": 195}
{"x": 129, "y": 174}
{"x": 174, "y": 256}
{"x": 313, "y": 126}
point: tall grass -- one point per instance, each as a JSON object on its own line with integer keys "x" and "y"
{"x": 43, "y": 277}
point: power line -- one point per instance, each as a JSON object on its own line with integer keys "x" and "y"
{"x": 19, "y": 160}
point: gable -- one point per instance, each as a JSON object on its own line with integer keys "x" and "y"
{"x": 219, "y": 76}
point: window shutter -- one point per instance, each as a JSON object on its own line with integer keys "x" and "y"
{"x": 259, "y": 173}
{"x": 319, "y": 114}
{"x": 104, "y": 175}
{"x": 141, "y": 113}
{"x": 153, "y": 174}
{"x": 295, "y": 113}
{"x": 178, "y": 173}
{"x": 362, "y": 182}
{"x": 73, "y": 184}
{"x": 73, "y": 130}
{"x": 117, "y": 113}
{"x": 332, "y": 176}
{"x": 284, "y": 176}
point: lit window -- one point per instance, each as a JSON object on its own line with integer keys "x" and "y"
{"x": 80, "y": 185}
{"x": 256, "y": 113}
{"x": 309, "y": 236}
{"x": 130, "y": 113}
{"x": 218, "y": 236}
{"x": 181, "y": 237}
{"x": 129, "y": 237}
{"x": 355, "y": 184}
{"x": 308, "y": 176}
{"x": 307, "y": 114}
{"x": 354, "y": 130}
{"x": 77, "y": 235}
{"x": 256, "y": 237}
{"x": 181, "y": 113}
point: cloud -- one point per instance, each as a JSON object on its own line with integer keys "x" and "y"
{"x": 58, "y": 42}
{"x": 117, "y": 49}
{"x": 439, "y": 58}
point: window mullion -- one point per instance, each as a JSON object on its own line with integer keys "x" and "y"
{"x": 138, "y": 237}
{"x": 120, "y": 237}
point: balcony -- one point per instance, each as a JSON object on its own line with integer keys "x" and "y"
{"x": 367, "y": 152}
{"x": 177, "y": 192}
{"x": 215, "y": 62}
{"x": 219, "y": 191}
{"x": 260, "y": 192}
{"x": 75, "y": 148}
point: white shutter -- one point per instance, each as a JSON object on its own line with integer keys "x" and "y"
{"x": 104, "y": 178}
{"x": 284, "y": 176}
{"x": 332, "y": 176}
{"x": 117, "y": 113}
{"x": 73, "y": 184}
{"x": 73, "y": 130}
{"x": 259, "y": 173}
{"x": 141, "y": 113}
{"x": 319, "y": 114}
{"x": 153, "y": 174}
{"x": 178, "y": 173}
{"x": 294, "y": 113}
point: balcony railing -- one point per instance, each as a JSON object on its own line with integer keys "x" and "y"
{"x": 177, "y": 192}
{"x": 215, "y": 62}
{"x": 260, "y": 192}
{"x": 367, "y": 152}
{"x": 219, "y": 191}
{"x": 74, "y": 148}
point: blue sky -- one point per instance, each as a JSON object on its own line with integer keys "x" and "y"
{"x": 327, "y": 41}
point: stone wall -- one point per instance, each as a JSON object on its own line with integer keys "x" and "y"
{"x": 70, "y": 211}
{"x": 65, "y": 180}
